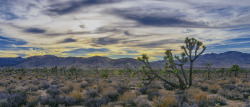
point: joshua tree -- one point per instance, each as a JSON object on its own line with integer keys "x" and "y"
{"x": 192, "y": 45}
{"x": 183, "y": 84}
{"x": 208, "y": 69}
{"x": 54, "y": 70}
{"x": 73, "y": 71}
{"x": 222, "y": 70}
{"x": 63, "y": 69}
{"x": 235, "y": 69}
{"x": 244, "y": 71}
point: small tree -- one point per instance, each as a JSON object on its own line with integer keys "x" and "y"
{"x": 235, "y": 69}
{"x": 192, "y": 45}
{"x": 176, "y": 68}
{"x": 54, "y": 70}
{"x": 63, "y": 69}
{"x": 222, "y": 70}
{"x": 73, "y": 71}
{"x": 245, "y": 71}
{"x": 208, "y": 67}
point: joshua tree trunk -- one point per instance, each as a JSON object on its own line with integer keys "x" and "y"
{"x": 190, "y": 73}
{"x": 235, "y": 73}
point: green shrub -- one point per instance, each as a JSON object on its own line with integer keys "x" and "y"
{"x": 105, "y": 75}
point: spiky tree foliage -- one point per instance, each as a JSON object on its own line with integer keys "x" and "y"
{"x": 9, "y": 70}
{"x": 208, "y": 67}
{"x": 73, "y": 71}
{"x": 244, "y": 71}
{"x": 192, "y": 48}
{"x": 235, "y": 69}
{"x": 63, "y": 69}
{"x": 176, "y": 68}
{"x": 222, "y": 70}
{"x": 54, "y": 70}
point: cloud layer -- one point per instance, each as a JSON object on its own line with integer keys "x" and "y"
{"x": 120, "y": 28}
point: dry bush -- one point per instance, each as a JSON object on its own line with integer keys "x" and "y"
{"x": 127, "y": 98}
{"x": 76, "y": 95}
{"x": 31, "y": 98}
{"x": 214, "y": 88}
{"x": 165, "y": 101}
{"x": 201, "y": 98}
{"x": 193, "y": 91}
{"x": 102, "y": 85}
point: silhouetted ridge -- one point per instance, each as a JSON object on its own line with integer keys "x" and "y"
{"x": 226, "y": 59}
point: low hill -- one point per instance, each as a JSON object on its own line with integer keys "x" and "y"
{"x": 226, "y": 59}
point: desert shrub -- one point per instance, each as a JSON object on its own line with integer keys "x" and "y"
{"x": 109, "y": 81}
{"x": 55, "y": 82}
{"x": 55, "y": 101}
{"x": 193, "y": 91}
{"x": 49, "y": 100}
{"x": 213, "y": 89}
{"x": 143, "y": 103}
{"x": 218, "y": 100}
{"x": 31, "y": 101}
{"x": 3, "y": 84}
{"x": 243, "y": 88}
{"x": 232, "y": 95}
{"x": 78, "y": 96}
{"x": 246, "y": 94}
{"x": 104, "y": 75}
{"x": 110, "y": 93}
{"x": 53, "y": 91}
{"x": 122, "y": 88}
{"x": 31, "y": 87}
{"x": 35, "y": 82}
{"x": 84, "y": 84}
{"x": 229, "y": 86}
{"x": 32, "y": 104}
{"x": 91, "y": 93}
{"x": 67, "y": 89}
{"x": 165, "y": 101}
{"x": 96, "y": 102}
{"x": 204, "y": 87}
{"x": 153, "y": 94}
{"x": 202, "y": 99}
{"x": 69, "y": 101}
{"x": 12, "y": 100}
{"x": 168, "y": 87}
{"x": 128, "y": 98}
{"x": 44, "y": 85}
{"x": 143, "y": 89}
{"x": 10, "y": 89}
{"x": 20, "y": 78}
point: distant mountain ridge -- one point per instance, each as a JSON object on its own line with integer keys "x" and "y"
{"x": 226, "y": 59}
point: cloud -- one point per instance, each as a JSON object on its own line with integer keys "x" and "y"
{"x": 10, "y": 41}
{"x": 162, "y": 21}
{"x": 74, "y": 5}
{"x": 67, "y": 33}
{"x": 68, "y": 40}
{"x": 124, "y": 27}
{"x": 159, "y": 44}
{"x": 35, "y": 30}
{"x": 85, "y": 51}
{"x": 105, "y": 41}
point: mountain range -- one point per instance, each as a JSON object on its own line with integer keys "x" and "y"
{"x": 226, "y": 59}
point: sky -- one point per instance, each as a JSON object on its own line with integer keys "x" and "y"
{"x": 121, "y": 28}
